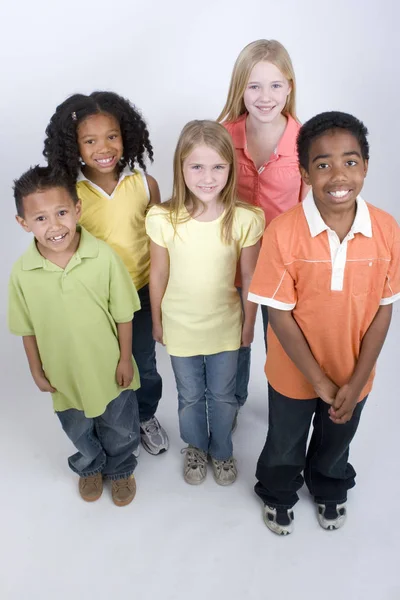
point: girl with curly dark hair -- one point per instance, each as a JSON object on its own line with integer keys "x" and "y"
{"x": 101, "y": 142}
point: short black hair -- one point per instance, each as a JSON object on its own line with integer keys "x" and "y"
{"x": 38, "y": 179}
{"x": 328, "y": 121}
{"x": 61, "y": 144}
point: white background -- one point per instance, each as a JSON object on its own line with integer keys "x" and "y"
{"x": 174, "y": 61}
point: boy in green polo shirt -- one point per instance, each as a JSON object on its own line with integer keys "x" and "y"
{"x": 72, "y": 301}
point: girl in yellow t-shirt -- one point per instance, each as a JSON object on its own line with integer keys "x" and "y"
{"x": 198, "y": 239}
{"x": 101, "y": 142}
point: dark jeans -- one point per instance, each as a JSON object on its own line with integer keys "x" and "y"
{"x": 105, "y": 444}
{"x": 243, "y": 370}
{"x": 327, "y": 472}
{"x": 144, "y": 351}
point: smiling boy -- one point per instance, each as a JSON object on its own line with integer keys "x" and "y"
{"x": 72, "y": 301}
{"x": 329, "y": 271}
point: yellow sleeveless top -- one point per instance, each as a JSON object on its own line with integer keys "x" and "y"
{"x": 119, "y": 219}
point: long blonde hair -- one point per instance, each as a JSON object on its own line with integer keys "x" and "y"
{"x": 215, "y": 136}
{"x": 258, "y": 51}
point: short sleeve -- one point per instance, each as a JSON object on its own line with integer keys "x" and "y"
{"x": 19, "y": 321}
{"x": 154, "y": 226}
{"x": 124, "y": 300}
{"x": 391, "y": 291}
{"x": 272, "y": 284}
{"x": 252, "y": 231}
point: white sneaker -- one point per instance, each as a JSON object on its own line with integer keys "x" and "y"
{"x": 154, "y": 437}
{"x": 195, "y": 465}
{"x": 331, "y": 516}
{"x": 279, "y": 520}
{"x": 225, "y": 471}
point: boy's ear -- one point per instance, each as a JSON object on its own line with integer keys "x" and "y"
{"x": 21, "y": 221}
{"x": 305, "y": 176}
{"x": 366, "y": 162}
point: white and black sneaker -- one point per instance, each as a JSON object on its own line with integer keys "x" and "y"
{"x": 279, "y": 520}
{"x": 153, "y": 437}
{"x": 331, "y": 516}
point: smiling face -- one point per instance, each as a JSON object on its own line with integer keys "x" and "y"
{"x": 266, "y": 92}
{"x": 100, "y": 143}
{"x": 51, "y": 215}
{"x": 206, "y": 173}
{"x": 336, "y": 170}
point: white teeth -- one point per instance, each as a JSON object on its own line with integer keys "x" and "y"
{"x": 57, "y": 238}
{"x": 105, "y": 161}
{"x": 339, "y": 193}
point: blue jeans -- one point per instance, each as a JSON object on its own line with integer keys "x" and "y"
{"x": 327, "y": 472}
{"x": 105, "y": 444}
{"x": 206, "y": 388}
{"x": 243, "y": 369}
{"x": 144, "y": 351}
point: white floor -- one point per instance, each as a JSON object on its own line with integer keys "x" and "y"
{"x": 178, "y": 542}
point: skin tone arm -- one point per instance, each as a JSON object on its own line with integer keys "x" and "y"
{"x": 154, "y": 190}
{"x": 159, "y": 275}
{"x": 124, "y": 372}
{"x": 296, "y": 347}
{"x": 247, "y": 262}
{"x": 35, "y": 364}
{"x": 371, "y": 346}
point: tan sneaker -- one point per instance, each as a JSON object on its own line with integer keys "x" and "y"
{"x": 225, "y": 471}
{"x": 91, "y": 488}
{"x": 195, "y": 465}
{"x": 123, "y": 490}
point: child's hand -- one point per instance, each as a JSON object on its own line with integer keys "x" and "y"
{"x": 247, "y": 335}
{"x": 326, "y": 390}
{"x": 158, "y": 333}
{"x": 344, "y": 404}
{"x": 124, "y": 372}
{"x": 42, "y": 382}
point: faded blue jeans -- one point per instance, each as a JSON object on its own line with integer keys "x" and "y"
{"x": 106, "y": 443}
{"x": 207, "y": 402}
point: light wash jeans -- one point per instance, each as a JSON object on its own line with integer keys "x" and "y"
{"x": 207, "y": 402}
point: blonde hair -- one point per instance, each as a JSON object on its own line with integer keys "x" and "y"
{"x": 261, "y": 50}
{"x": 215, "y": 136}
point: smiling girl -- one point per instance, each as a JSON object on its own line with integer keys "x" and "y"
{"x": 101, "y": 142}
{"x": 198, "y": 240}
{"x": 260, "y": 115}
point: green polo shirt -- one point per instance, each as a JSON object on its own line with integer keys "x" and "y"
{"x": 73, "y": 314}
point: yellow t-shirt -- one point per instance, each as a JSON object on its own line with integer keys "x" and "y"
{"x": 201, "y": 308}
{"x": 119, "y": 220}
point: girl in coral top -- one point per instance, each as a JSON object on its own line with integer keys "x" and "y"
{"x": 260, "y": 115}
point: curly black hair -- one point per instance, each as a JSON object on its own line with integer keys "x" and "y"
{"x": 38, "y": 179}
{"x": 61, "y": 145}
{"x": 327, "y": 121}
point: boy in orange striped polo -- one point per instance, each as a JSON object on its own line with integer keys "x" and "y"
{"x": 329, "y": 271}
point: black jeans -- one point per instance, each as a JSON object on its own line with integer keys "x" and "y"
{"x": 144, "y": 351}
{"x": 327, "y": 472}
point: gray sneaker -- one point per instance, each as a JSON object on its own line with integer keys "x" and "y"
{"x": 195, "y": 465}
{"x": 225, "y": 471}
{"x": 154, "y": 437}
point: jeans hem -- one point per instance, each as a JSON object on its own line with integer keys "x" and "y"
{"x": 120, "y": 475}
{"x": 330, "y": 501}
{"x": 86, "y": 473}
